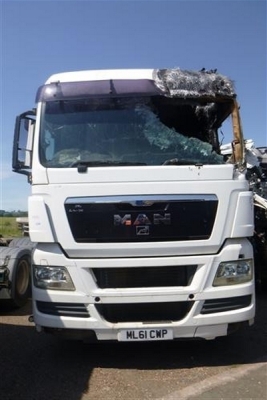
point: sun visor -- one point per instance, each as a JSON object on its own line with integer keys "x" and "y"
{"x": 106, "y": 88}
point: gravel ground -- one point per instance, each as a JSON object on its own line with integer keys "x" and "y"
{"x": 38, "y": 366}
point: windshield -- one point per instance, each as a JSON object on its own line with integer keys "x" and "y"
{"x": 153, "y": 130}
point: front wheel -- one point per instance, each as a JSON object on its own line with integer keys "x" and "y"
{"x": 264, "y": 267}
{"x": 21, "y": 282}
{"x": 261, "y": 265}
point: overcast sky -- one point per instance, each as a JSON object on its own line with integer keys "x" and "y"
{"x": 40, "y": 38}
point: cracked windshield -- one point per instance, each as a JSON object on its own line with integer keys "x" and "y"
{"x": 126, "y": 132}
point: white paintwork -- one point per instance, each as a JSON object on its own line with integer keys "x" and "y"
{"x": 56, "y": 246}
{"x": 100, "y": 75}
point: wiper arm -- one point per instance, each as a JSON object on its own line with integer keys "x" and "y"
{"x": 176, "y": 161}
{"x": 83, "y": 165}
{"x": 172, "y": 161}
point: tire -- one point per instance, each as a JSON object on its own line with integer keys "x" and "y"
{"x": 264, "y": 285}
{"x": 264, "y": 267}
{"x": 260, "y": 260}
{"x": 21, "y": 282}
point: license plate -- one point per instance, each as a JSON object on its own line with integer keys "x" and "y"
{"x": 134, "y": 335}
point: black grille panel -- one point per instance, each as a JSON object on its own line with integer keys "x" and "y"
{"x": 227, "y": 304}
{"x": 145, "y": 312}
{"x": 63, "y": 309}
{"x": 141, "y": 219}
{"x": 144, "y": 276}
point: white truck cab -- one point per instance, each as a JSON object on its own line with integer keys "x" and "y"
{"x": 141, "y": 225}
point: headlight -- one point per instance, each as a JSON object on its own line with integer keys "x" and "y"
{"x": 4, "y": 261}
{"x": 234, "y": 272}
{"x": 56, "y": 278}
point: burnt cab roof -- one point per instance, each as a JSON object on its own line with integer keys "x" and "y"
{"x": 169, "y": 82}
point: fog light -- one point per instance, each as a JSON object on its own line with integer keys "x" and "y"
{"x": 57, "y": 278}
{"x": 234, "y": 272}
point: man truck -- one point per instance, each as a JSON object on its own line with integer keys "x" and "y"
{"x": 141, "y": 226}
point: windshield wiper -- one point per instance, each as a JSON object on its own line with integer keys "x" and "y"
{"x": 83, "y": 165}
{"x": 176, "y": 161}
{"x": 172, "y": 161}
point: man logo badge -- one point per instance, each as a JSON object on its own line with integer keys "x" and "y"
{"x": 142, "y": 230}
{"x": 142, "y": 219}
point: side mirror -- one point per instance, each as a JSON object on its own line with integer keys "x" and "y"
{"x": 23, "y": 142}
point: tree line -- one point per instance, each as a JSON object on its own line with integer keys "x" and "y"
{"x": 13, "y": 213}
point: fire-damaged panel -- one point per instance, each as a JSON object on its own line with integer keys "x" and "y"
{"x": 141, "y": 219}
{"x": 194, "y": 84}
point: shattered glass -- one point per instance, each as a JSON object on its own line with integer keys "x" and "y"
{"x": 184, "y": 149}
{"x": 128, "y": 132}
{"x": 171, "y": 120}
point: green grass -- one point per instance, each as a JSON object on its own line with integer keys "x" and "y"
{"x": 9, "y": 227}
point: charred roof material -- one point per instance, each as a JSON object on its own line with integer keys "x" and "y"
{"x": 194, "y": 84}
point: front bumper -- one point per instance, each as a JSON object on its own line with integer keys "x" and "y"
{"x": 191, "y": 309}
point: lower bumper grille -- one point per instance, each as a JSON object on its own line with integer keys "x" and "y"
{"x": 227, "y": 304}
{"x": 145, "y": 312}
{"x": 63, "y": 309}
{"x": 138, "y": 277}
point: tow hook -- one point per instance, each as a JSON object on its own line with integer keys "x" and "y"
{"x": 31, "y": 319}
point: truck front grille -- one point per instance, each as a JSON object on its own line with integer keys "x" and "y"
{"x": 77, "y": 310}
{"x": 144, "y": 312}
{"x": 226, "y": 304}
{"x": 144, "y": 276}
{"x": 150, "y": 218}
